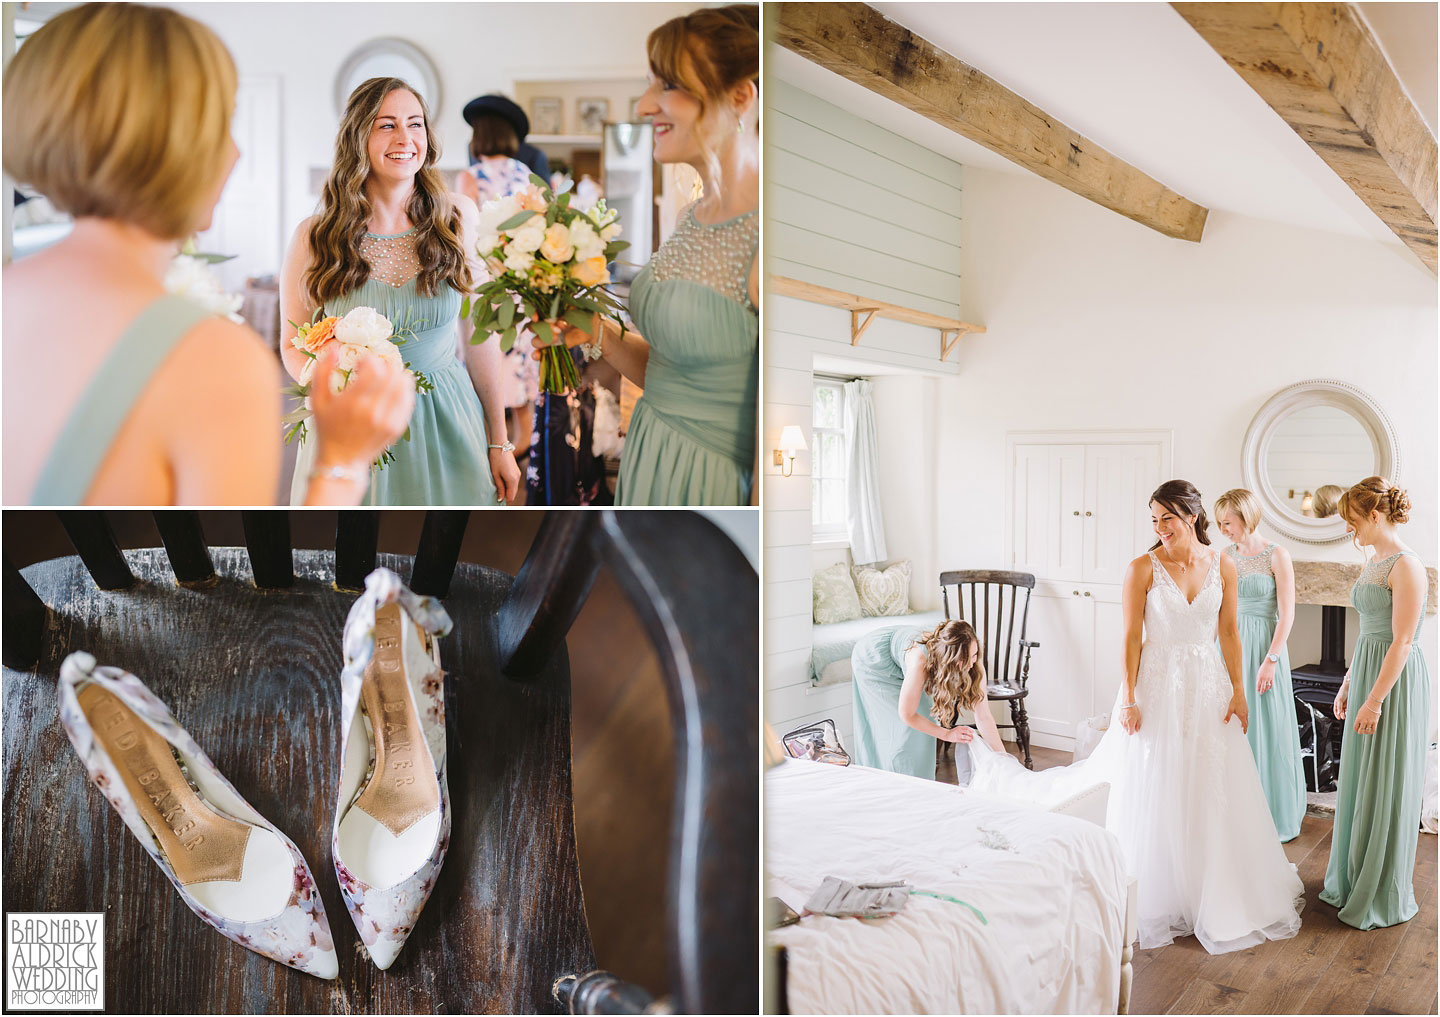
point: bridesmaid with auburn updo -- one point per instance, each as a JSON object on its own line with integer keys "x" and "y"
{"x": 1385, "y": 700}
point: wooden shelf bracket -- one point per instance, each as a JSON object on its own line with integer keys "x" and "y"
{"x": 864, "y": 311}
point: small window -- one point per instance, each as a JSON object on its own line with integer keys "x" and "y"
{"x": 828, "y": 510}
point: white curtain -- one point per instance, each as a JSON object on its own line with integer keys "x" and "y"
{"x": 862, "y": 476}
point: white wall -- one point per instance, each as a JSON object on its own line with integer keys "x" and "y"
{"x": 476, "y": 47}
{"x": 905, "y": 412}
{"x": 1096, "y": 322}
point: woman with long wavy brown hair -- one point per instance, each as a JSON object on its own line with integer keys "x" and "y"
{"x": 911, "y": 687}
{"x": 391, "y": 237}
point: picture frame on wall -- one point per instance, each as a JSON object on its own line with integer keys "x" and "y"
{"x": 547, "y": 115}
{"x": 591, "y": 114}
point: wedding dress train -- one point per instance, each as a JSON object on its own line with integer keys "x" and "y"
{"x": 1185, "y": 799}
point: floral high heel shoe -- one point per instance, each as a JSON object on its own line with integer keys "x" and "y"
{"x": 392, "y": 820}
{"x": 232, "y": 867}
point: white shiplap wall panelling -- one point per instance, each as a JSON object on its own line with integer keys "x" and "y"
{"x": 855, "y": 208}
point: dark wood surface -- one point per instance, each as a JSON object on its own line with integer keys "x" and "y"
{"x": 1328, "y": 968}
{"x": 357, "y": 535}
{"x": 267, "y": 539}
{"x": 253, "y": 675}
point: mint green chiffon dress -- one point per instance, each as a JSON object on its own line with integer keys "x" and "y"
{"x": 106, "y": 403}
{"x": 446, "y": 460}
{"x": 882, "y": 739}
{"x": 1382, "y": 775}
{"x": 1274, "y": 733}
{"x": 692, "y": 435}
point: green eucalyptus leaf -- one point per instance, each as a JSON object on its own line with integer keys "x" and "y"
{"x": 514, "y": 221}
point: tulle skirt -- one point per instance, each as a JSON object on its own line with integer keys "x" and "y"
{"x": 1186, "y": 805}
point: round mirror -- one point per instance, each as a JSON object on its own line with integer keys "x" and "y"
{"x": 1309, "y": 443}
{"x": 389, "y": 58}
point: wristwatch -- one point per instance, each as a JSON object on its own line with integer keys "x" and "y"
{"x": 508, "y": 446}
{"x": 1273, "y": 658}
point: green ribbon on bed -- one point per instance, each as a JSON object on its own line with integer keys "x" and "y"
{"x": 952, "y": 900}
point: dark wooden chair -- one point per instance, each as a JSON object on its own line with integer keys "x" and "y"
{"x": 244, "y": 645}
{"x": 1005, "y": 652}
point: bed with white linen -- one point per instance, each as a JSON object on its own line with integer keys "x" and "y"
{"x": 1052, "y": 888}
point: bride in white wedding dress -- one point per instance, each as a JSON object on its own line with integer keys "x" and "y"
{"x": 1185, "y": 797}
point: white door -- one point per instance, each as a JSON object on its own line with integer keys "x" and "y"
{"x": 247, "y": 219}
{"x": 1062, "y": 621}
{"x": 1118, "y": 481}
{"x": 1048, "y": 512}
{"x": 1109, "y": 647}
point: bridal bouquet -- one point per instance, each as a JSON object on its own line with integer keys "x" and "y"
{"x": 547, "y": 262}
{"x": 362, "y": 330}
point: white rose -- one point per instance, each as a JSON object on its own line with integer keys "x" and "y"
{"x": 586, "y": 241}
{"x": 530, "y": 235}
{"x": 486, "y": 243}
{"x": 193, "y": 279}
{"x": 350, "y": 356}
{"x": 519, "y": 261}
{"x": 389, "y": 352}
{"x": 610, "y": 232}
{"x": 364, "y": 326}
{"x": 557, "y": 248}
{"x": 496, "y": 211}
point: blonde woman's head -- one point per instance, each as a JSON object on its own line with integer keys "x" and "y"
{"x": 1326, "y": 500}
{"x": 122, "y": 111}
{"x": 954, "y": 675}
{"x": 1237, "y": 513}
{"x": 1371, "y": 507}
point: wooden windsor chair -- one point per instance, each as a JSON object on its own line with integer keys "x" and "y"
{"x": 1000, "y": 645}
{"x": 244, "y": 646}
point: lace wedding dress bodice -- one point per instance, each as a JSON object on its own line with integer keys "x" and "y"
{"x": 1185, "y": 800}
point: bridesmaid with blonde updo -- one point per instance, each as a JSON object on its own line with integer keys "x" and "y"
{"x": 1386, "y": 694}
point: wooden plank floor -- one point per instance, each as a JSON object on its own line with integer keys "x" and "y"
{"x": 1328, "y": 968}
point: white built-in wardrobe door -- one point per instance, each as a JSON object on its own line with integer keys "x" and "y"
{"x": 1118, "y": 480}
{"x": 1049, "y": 510}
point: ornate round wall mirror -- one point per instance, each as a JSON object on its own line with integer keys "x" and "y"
{"x": 1310, "y": 442}
{"x": 389, "y": 58}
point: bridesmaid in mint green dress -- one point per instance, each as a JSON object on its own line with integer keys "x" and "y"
{"x": 1385, "y": 701}
{"x": 1266, "y": 611}
{"x": 694, "y": 347}
{"x": 895, "y": 709}
{"x": 403, "y": 245}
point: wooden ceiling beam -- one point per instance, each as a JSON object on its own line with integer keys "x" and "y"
{"x": 1319, "y": 67}
{"x": 858, "y": 42}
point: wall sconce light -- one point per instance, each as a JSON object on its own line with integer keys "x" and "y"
{"x": 792, "y": 443}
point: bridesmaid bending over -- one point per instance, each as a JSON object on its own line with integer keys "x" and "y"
{"x": 1266, "y": 612}
{"x": 1387, "y": 692}
{"x": 115, "y": 391}
{"x": 692, "y": 438}
{"x": 910, "y": 687}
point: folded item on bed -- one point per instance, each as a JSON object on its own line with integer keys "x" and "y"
{"x": 844, "y": 899}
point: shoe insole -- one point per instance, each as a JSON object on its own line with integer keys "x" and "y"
{"x": 200, "y": 843}
{"x": 402, "y": 789}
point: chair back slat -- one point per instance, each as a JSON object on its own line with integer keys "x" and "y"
{"x": 267, "y": 540}
{"x": 184, "y": 540}
{"x": 357, "y": 534}
{"x": 438, "y": 552}
{"x": 548, "y": 592}
{"x": 986, "y": 590}
{"x": 698, "y": 599}
{"x": 94, "y": 542}
{"x": 24, "y": 621}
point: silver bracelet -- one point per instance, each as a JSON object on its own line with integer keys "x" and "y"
{"x": 508, "y": 446}
{"x": 337, "y": 473}
{"x": 1129, "y": 706}
{"x": 590, "y": 351}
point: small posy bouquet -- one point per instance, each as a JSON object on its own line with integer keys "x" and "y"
{"x": 547, "y": 262}
{"x": 361, "y": 331}
{"x": 190, "y": 276}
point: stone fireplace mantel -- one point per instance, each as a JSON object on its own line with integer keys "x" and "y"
{"x": 1327, "y": 583}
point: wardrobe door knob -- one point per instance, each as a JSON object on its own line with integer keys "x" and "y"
{"x": 1087, "y": 593}
{"x": 1087, "y": 513}
{"x": 1076, "y": 512}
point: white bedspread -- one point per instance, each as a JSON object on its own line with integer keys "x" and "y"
{"x": 1052, "y": 889}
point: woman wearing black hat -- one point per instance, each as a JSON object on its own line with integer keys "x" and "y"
{"x": 692, "y": 436}
{"x": 497, "y": 126}
{"x": 499, "y": 105}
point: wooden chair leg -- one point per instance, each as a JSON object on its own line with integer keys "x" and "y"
{"x": 24, "y": 628}
{"x": 184, "y": 540}
{"x": 438, "y": 552}
{"x": 357, "y": 533}
{"x": 94, "y": 541}
{"x": 550, "y": 589}
{"x": 1022, "y": 729}
{"x": 267, "y": 540}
